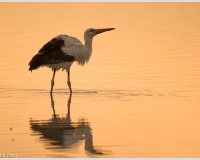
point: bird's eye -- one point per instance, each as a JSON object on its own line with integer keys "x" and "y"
{"x": 91, "y": 30}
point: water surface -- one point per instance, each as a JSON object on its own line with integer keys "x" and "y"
{"x": 137, "y": 97}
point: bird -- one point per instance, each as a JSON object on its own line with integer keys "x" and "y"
{"x": 61, "y": 51}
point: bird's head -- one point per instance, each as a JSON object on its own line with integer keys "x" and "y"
{"x": 91, "y": 32}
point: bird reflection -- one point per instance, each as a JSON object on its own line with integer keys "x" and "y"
{"x": 62, "y": 133}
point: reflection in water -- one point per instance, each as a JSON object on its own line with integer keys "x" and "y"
{"x": 62, "y": 133}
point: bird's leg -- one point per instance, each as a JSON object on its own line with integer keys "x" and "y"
{"x": 52, "y": 81}
{"x": 68, "y": 104}
{"x": 52, "y": 105}
{"x": 69, "y": 83}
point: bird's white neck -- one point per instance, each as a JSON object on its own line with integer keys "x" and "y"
{"x": 86, "y": 53}
{"x": 88, "y": 41}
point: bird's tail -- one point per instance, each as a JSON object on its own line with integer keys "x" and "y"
{"x": 36, "y": 62}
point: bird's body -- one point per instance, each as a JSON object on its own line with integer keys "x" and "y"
{"x": 62, "y": 51}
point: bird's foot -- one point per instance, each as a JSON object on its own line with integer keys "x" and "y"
{"x": 69, "y": 84}
{"x": 52, "y": 84}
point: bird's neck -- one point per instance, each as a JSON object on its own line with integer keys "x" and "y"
{"x": 85, "y": 55}
{"x": 86, "y": 51}
{"x": 88, "y": 43}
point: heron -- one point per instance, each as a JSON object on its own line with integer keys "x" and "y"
{"x": 61, "y": 51}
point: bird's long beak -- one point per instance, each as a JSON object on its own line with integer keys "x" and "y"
{"x": 103, "y": 30}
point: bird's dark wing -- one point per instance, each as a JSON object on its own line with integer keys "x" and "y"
{"x": 50, "y": 53}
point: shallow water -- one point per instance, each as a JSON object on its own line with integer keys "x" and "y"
{"x": 137, "y": 97}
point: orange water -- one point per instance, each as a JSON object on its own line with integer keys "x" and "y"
{"x": 137, "y": 97}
